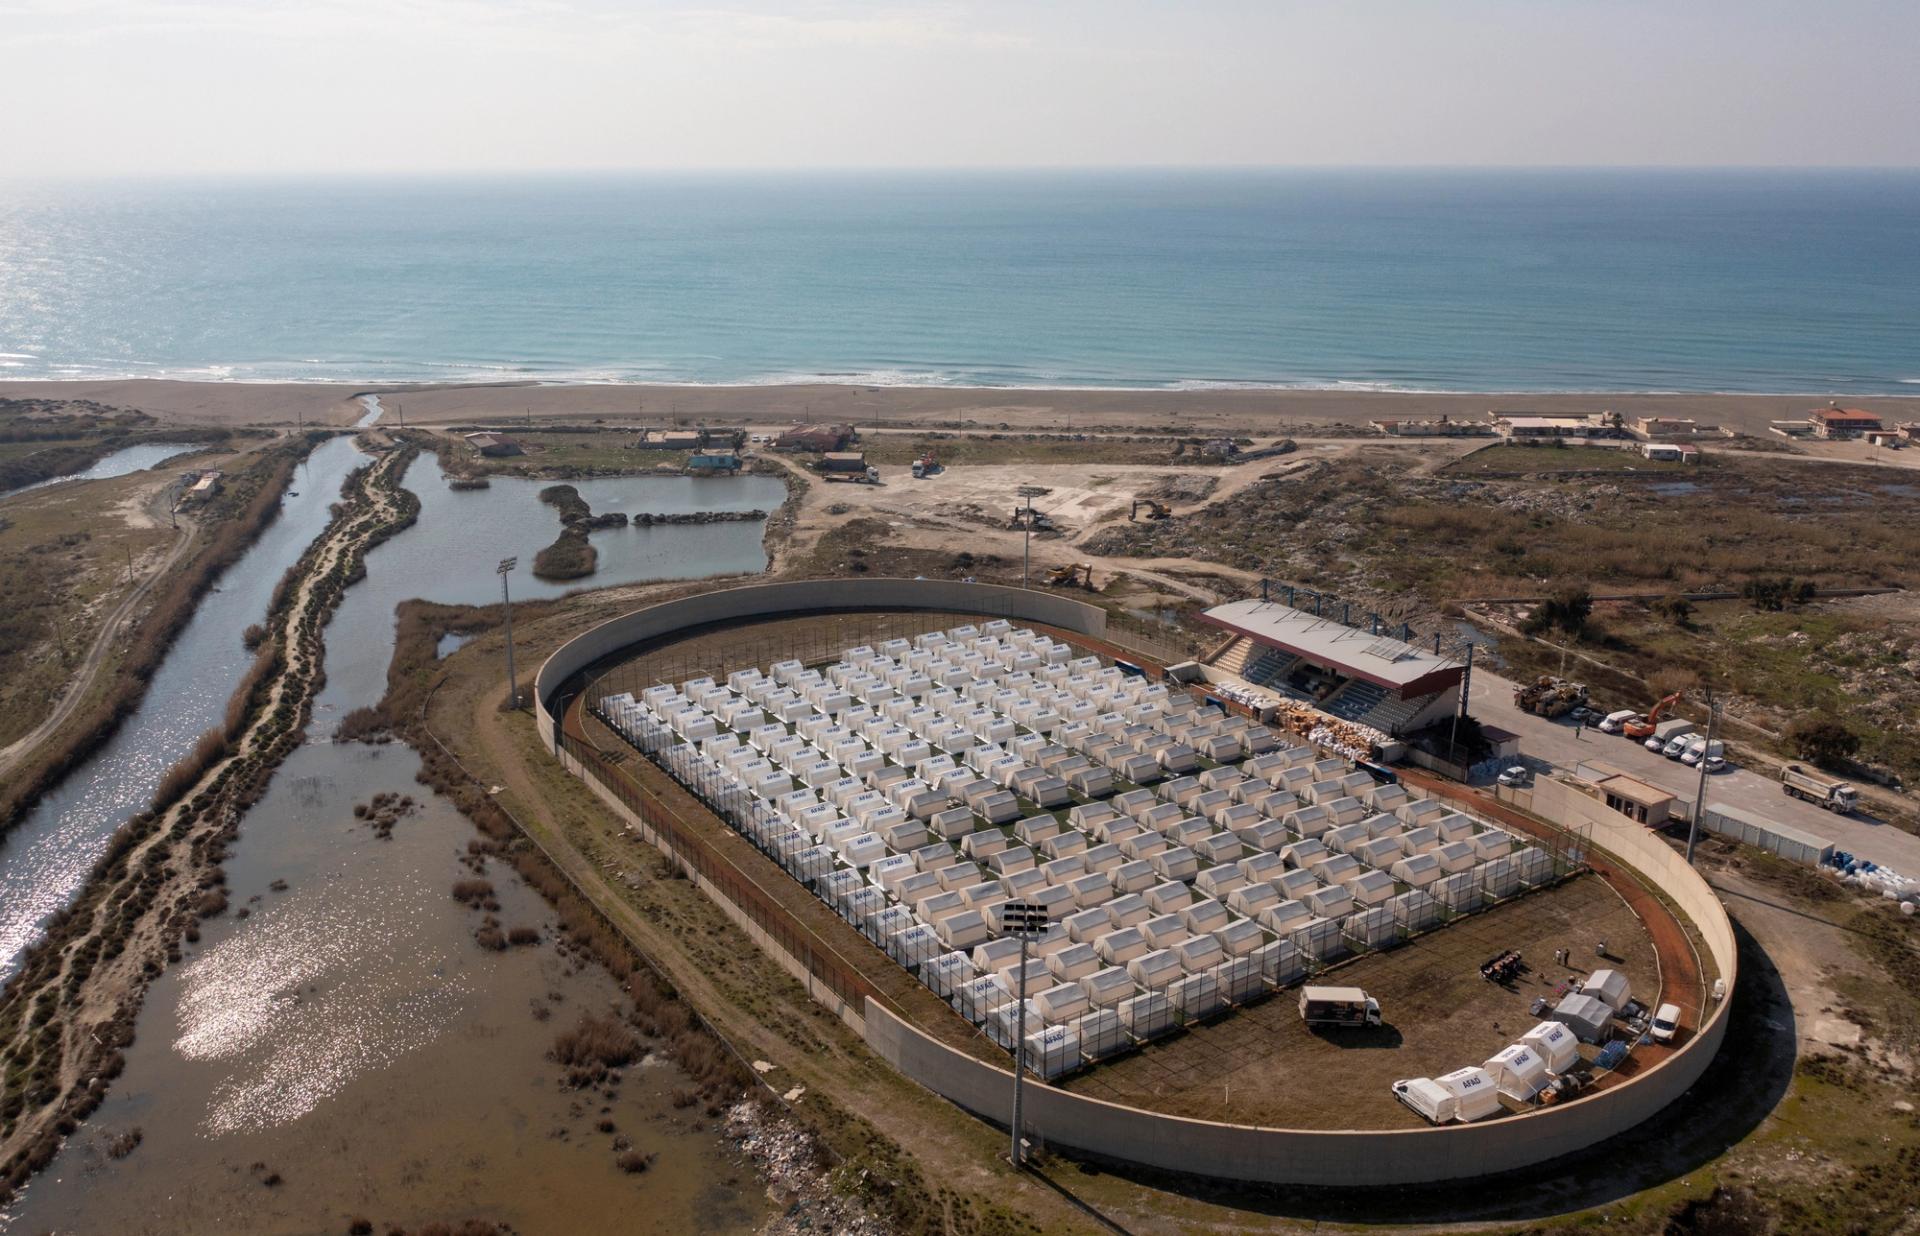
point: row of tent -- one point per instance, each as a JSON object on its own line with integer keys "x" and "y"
{"x": 1521, "y": 1070}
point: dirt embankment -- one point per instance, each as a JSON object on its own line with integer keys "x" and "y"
{"x": 70, "y": 1011}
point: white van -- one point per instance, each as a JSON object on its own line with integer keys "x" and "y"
{"x": 1611, "y": 723}
{"x": 1429, "y": 1098}
{"x": 1701, "y": 749}
{"x": 1666, "y": 1023}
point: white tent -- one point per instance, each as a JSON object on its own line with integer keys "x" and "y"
{"x": 1518, "y": 1070}
{"x": 1555, "y": 1044}
{"x": 1474, "y": 1092}
{"x": 1608, "y": 986}
{"x": 1588, "y": 1018}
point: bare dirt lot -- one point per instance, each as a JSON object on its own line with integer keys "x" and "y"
{"x": 1262, "y": 1066}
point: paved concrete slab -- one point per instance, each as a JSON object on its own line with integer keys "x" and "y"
{"x": 1554, "y": 743}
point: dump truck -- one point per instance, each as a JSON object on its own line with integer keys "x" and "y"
{"x": 1338, "y": 1006}
{"x": 1810, "y": 785}
{"x": 926, "y": 465}
{"x": 1547, "y": 696}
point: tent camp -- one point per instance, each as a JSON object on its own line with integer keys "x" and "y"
{"x": 1589, "y": 1019}
{"x": 1608, "y": 986}
{"x": 1555, "y": 1044}
{"x": 1518, "y": 1070}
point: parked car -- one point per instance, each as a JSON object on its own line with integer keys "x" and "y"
{"x": 1715, "y": 763}
{"x": 1676, "y": 747}
{"x": 1666, "y": 1023}
{"x": 1699, "y": 749}
{"x": 1515, "y": 775}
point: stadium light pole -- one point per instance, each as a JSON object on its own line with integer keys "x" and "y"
{"x": 1700, "y": 785}
{"x": 1024, "y": 920}
{"x": 513, "y": 689}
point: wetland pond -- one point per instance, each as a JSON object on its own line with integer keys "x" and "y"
{"x": 349, "y": 1037}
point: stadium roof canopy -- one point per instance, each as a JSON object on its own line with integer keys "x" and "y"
{"x": 1354, "y": 653}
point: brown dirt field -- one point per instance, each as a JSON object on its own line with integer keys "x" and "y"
{"x": 1681, "y": 978}
{"x": 1262, "y": 1066}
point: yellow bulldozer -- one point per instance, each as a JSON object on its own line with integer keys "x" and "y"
{"x": 1077, "y": 575}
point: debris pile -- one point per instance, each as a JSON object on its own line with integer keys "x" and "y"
{"x": 790, "y": 1161}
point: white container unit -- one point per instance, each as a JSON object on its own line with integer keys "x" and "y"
{"x": 1107, "y": 988}
{"x": 1196, "y": 996}
{"x": 1156, "y": 970}
{"x": 1240, "y": 937}
{"x": 1417, "y": 870}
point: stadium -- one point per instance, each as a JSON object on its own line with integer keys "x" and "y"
{"x": 865, "y": 774}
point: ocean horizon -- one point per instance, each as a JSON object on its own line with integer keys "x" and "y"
{"x": 1421, "y": 280}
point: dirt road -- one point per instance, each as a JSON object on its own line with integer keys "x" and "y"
{"x": 116, "y": 624}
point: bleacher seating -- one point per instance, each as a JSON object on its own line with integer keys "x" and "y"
{"x": 1355, "y": 701}
{"x": 1268, "y": 666}
{"x": 1393, "y": 712}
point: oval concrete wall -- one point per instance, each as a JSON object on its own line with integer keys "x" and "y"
{"x": 1342, "y": 1157}
{"x": 1175, "y": 1143}
{"x": 760, "y": 601}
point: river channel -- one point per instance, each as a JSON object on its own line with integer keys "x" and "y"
{"x": 348, "y": 1038}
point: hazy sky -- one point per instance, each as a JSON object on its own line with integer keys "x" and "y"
{"x": 378, "y": 85}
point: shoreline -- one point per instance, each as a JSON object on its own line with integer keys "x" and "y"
{"x": 975, "y": 408}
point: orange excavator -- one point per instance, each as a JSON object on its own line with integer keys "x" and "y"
{"x": 1647, "y": 724}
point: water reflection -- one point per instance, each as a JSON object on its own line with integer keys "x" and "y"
{"x": 121, "y": 462}
{"x": 329, "y": 983}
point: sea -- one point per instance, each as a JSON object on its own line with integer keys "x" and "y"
{"x": 1423, "y": 280}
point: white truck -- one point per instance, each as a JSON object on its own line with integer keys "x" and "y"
{"x": 1808, "y": 785}
{"x": 1338, "y": 1006}
{"x": 1666, "y": 732}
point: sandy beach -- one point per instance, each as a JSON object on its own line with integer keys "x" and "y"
{"x": 978, "y": 408}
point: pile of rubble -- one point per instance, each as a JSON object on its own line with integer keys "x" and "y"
{"x": 790, "y": 1160}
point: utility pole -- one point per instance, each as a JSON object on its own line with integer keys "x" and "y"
{"x": 1029, "y": 492}
{"x": 1024, "y": 919}
{"x": 1700, "y": 786}
{"x": 513, "y": 689}
{"x": 1466, "y": 686}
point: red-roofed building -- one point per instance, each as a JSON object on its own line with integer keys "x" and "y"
{"x": 1834, "y": 421}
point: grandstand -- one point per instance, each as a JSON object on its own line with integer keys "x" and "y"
{"x": 1359, "y": 675}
